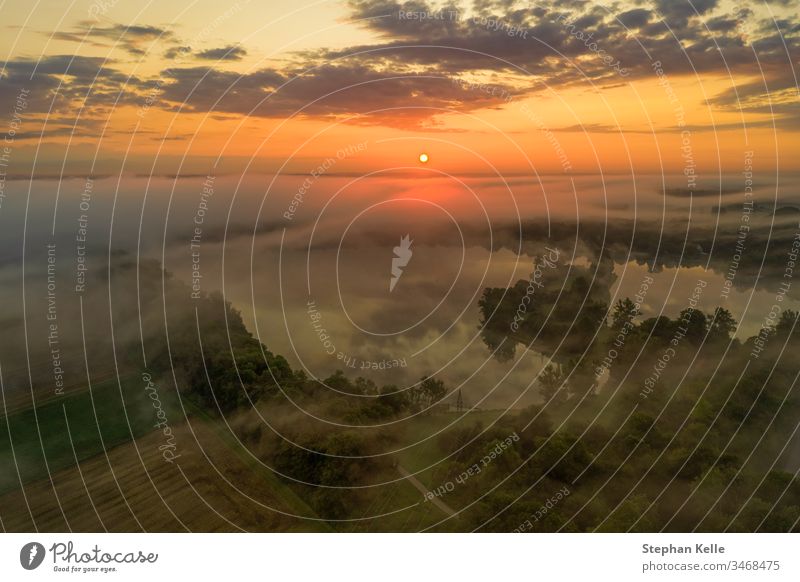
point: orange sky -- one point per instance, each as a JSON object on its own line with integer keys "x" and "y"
{"x": 598, "y": 121}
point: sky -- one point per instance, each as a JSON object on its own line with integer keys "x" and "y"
{"x": 483, "y": 87}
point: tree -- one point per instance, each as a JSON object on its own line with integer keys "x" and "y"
{"x": 428, "y": 392}
{"x": 624, "y": 312}
{"x": 786, "y": 323}
{"x": 496, "y": 318}
{"x": 433, "y": 389}
{"x": 340, "y": 383}
{"x": 394, "y": 398}
{"x": 661, "y": 327}
{"x": 365, "y": 386}
{"x": 694, "y": 321}
{"x": 721, "y": 326}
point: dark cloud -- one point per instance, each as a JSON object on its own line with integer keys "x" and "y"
{"x": 132, "y": 38}
{"x": 537, "y": 41}
{"x": 61, "y": 83}
{"x": 347, "y": 89}
{"x": 409, "y": 71}
{"x": 722, "y": 24}
{"x": 763, "y": 97}
{"x": 778, "y": 121}
{"x": 676, "y": 13}
{"x": 177, "y": 51}
{"x": 226, "y": 53}
{"x": 85, "y": 128}
{"x": 635, "y": 18}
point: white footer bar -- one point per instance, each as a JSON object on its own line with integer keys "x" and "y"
{"x": 400, "y": 557}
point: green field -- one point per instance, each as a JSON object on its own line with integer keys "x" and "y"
{"x": 113, "y": 412}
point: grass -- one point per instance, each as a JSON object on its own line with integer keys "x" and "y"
{"x": 121, "y": 418}
{"x": 97, "y": 420}
{"x": 118, "y": 419}
{"x": 281, "y": 490}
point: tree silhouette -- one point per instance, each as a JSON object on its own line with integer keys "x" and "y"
{"x": 721, "y": 325}
{"x": 624, "y": 312}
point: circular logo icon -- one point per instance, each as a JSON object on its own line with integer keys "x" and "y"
{"x": 31, "y": 555}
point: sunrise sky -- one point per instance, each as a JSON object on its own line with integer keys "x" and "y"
{"x": 481, "y": 86}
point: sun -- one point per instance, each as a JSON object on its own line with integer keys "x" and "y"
{"x": 423, "y": 158}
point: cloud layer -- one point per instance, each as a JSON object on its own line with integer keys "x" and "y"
{"x": 417, "y": 67}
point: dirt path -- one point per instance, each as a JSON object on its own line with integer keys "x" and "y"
{"x": 424, "y": 490}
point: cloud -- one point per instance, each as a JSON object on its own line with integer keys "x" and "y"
{"x": 774, "y": 95}
{"x": 177, "y": 51}
{"x": 226, "y": 53}
{"x": 635, "y": 18}
{"x": 132, "y": 38}
{"x": 410, "y": 71}
{"x": 59, "y": 84}
{"x": 399, "y": 99}
{"x": 548, "y": 40}
{"x": 678, "y": 12}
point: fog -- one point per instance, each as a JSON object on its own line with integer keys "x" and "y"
{"x": 274, "y": 254}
